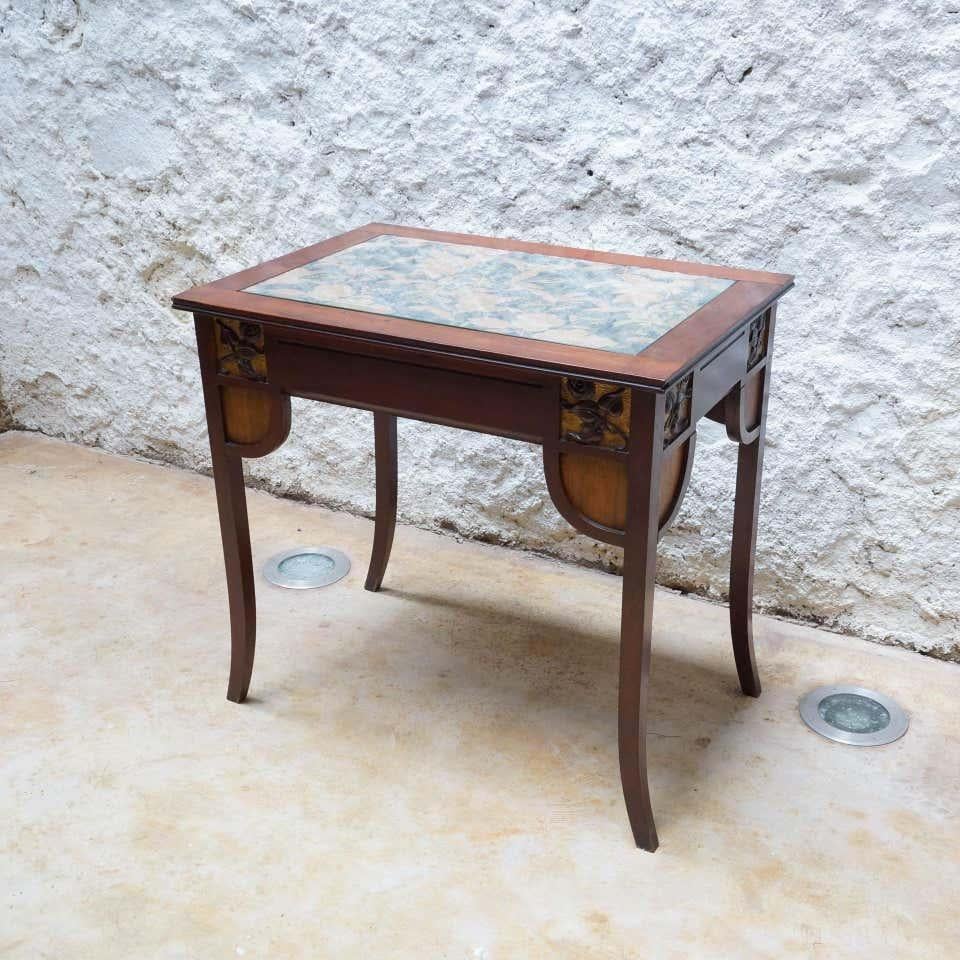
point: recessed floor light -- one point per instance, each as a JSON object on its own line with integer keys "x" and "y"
{"x": 853, "y": 715}
{"x": 307, "y": 567}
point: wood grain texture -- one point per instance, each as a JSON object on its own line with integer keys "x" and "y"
{"x": 622, "y": 493}
{"x": 597, "y": 486}
{"x": 636, "y": 616}
{"x": 246, "y": 414}
{"x": 672, "y": 476}
{"x": 751, "y": 396}
{"x": 240, "y": 349}
{"x": 746, "y": 513}
{"x": 657, "y": 365}
{"x": 492, "y": 405}
{"x": 385, "y": 521}
{"x": 596, "y": 414}
{"x": 234, "y": 523}
{"x": 743, "y": 406}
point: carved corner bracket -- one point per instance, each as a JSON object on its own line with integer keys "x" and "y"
{"x": 757, "y": 349}
{"x": 596, "y": 414}
{"x": 679, "y": 406}
{"x": 240, "y": 351}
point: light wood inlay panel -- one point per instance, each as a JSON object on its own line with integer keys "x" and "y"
{"x": 752, "y": 399}
{"x": 597, "y": 486}
{"x": 671, "y": 479}
{"x": 246, "y": 414}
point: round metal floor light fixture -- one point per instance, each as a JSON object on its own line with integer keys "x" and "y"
{"x": 307, "y": 567}
{"x": 853, "y": 715}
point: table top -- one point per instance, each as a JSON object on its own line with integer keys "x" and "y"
{"x": 613, "y": 315}
{"x": 603, "y": 305}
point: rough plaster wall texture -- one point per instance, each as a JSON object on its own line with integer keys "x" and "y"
{"x": 148, "y": 147}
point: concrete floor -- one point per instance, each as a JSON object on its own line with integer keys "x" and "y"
{"x": 430, "y": 772}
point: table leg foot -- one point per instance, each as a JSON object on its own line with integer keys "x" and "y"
{"x": 238, "y": 559}
{"x": 385, "y": 445}
{"x": 745, "y": 513}
{"x": 636, "y": 621}
{"x": 635, "y": 642}
{"x": 749, "y": 467}
{"x": 633, "y": 772}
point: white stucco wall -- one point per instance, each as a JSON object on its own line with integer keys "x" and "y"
{"x": 147, "y": 147}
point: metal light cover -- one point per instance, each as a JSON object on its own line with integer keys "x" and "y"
{"x": 306, "y": 567}
{"x": 853, "y": 715}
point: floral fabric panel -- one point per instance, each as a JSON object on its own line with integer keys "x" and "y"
{"x": 562, "y": 300}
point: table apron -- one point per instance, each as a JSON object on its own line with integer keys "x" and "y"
{"x": 471, "y": 401}
{"x": 718, "y": 374}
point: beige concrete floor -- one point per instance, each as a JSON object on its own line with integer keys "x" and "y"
{"x": 430, "y": 772}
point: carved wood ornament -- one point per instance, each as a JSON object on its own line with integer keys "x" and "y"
{"x": 240, "y": 349}
{"x": 679, "y": 401}
{"x": 597, "y": 414}
{"x": 758, "y": 341}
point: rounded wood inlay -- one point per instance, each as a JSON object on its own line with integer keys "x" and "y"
{"x": 597, "y": 486}
{"x": 246, "y": 414}
{"x": 672, "y": 472}
{"x": 752, "y": 399}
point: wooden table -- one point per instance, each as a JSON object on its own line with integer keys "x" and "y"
{"x": 607, "y": 361}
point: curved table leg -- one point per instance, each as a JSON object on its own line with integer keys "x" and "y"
{"x": 235, "y": 533}
{"x": 747, "y": 425}
{"x": 385, "y": 445}
{"x": 746, "y": 508}
{"x": 243, "y": 419}
{"x": 636, "y": 625}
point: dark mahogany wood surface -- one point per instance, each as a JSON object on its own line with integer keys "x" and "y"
{"x": 659, "y": 364}
{"x": 617, "y": 453}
